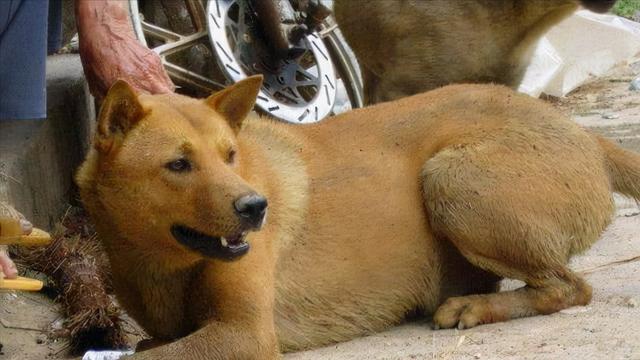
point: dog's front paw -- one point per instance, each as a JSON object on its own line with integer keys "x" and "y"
{"x": 464, "y": 312}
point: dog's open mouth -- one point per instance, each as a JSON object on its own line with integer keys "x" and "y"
{"x": 225, "y": 248}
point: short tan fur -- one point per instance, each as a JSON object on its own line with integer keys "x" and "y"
{"x": 420, "y": 204}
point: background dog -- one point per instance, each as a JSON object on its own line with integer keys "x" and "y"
{"x": 407, "y": 47}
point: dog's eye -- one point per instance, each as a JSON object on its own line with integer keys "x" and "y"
{"x": 231, "y": 156}
{"x": 180, "y": 165}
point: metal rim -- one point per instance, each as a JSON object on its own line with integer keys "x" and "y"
{"x": 345, "y": 61}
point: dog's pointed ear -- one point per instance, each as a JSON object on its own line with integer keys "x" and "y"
{"x": 120, "y": 111}
{"x": 235, "y": 102}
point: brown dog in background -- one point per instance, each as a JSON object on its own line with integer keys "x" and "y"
{"x": 444, "y": 194}
{"x": 406, "y": 47}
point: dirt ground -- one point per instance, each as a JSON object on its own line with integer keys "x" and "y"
{"x": 608, "y": 328}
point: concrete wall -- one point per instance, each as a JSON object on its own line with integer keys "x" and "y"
{"x": 38, "y": 157}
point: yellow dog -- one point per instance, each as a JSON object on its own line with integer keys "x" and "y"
{"x": 233, "y": 237}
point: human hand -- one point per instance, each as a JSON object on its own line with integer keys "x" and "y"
{"x": 7, "y": 267}
{"x": 110, "y": 51}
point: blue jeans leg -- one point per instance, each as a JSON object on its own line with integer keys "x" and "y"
{"x": 23, "y": 54}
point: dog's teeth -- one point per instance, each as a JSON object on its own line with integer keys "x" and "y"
{"x": 224, "y": 242}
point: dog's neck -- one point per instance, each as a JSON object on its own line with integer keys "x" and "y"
{"x": 144, "y": 292}
{"x": 534, "y": 21}
{"x": 272, "y": 164}
{"x": 549, "y": 12}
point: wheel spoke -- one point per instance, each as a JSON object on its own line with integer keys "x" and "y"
{"x": 297, "y": 83}
{"x": 273, "y": 86}
{"x": 191, "y": 77}
{"x": 310, "y": 76}
{"x": 159, "y": 33}
{"x": 179, "y": 45}
{"x": 234, "y": 32}
{"x": 292, "y": 74}
{"x": 241, "y": 16}
{"x": 297, "y": 93}
{"x": 294, "y": 98}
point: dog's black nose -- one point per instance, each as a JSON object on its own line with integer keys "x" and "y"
{"x": 252, "y": 208}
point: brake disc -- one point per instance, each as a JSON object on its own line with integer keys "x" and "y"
{"x": 301, "y": 90}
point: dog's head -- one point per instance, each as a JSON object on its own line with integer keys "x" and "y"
{"x": 164, "y": 175}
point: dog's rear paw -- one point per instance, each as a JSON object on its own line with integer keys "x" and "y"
{"x": 465, "y": 312}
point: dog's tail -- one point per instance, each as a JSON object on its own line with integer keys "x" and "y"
{"x": 623, "y": 167}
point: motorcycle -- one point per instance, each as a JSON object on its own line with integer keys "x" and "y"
{"x": 309, "y": 71}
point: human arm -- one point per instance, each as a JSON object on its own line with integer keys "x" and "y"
{"x": 110, "y": 51}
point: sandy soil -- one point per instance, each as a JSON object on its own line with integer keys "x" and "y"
{"x": 608, "y": 328}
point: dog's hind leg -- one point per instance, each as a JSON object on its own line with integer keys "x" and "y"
{"x": 541, "y": 295}
{"x": 514, "y": 224}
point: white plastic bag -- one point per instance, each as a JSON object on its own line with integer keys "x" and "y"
{"x": 583, "y": 46}
{"x": 106, "y": 355}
